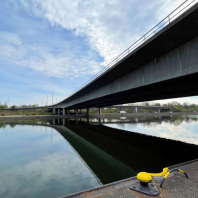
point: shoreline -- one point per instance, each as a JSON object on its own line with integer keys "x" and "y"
{"x": 106, "y": 115}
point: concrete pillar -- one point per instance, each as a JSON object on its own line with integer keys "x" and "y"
{"x": 100, "y": 110}
{"x": 54, "y": 122}
{"x": 63, "y": 122}
{"x": 76, "y": 121}
{"x": 100, "y": 121}
{"x": 135, "y": 110}
{"x": 87, "y": 111}
{"x": 68, "y": 112}
{"x": 54, "y": 110}
{"x": 63, "y": 111}
{"x": 58, "y": 111}
{"x": 76, "y": 111}
{"x": 158, "y": 110}
{"x": 58, "y": 121}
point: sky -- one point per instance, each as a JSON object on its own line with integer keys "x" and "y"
{"x": 49, "y": 46}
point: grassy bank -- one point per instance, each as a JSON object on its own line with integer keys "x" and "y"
{"x": 24, "y": 112}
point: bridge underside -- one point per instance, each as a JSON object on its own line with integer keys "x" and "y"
{"x": 178, "y": 87}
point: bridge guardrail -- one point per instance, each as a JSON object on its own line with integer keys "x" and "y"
{"x": 163, "y": 23}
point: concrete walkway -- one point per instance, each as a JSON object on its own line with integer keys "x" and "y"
{"x": 175, "y": 186}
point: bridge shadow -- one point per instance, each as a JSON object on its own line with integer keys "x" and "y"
{"x": 114, "y": 154}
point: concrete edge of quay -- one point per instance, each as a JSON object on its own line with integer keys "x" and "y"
{"x": 126, "y": 183}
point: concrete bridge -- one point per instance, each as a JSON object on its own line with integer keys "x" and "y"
{"x": 164, "y": 66}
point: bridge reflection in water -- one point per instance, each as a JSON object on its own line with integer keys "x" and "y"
{"x": 113, "y": 154}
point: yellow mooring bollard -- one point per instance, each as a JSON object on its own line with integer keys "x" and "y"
{"x": 147, "y": 186}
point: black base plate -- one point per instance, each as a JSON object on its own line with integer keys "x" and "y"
{"x": 146, "y": 188}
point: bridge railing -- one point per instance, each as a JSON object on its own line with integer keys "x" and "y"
{"x": 163, "y": 23}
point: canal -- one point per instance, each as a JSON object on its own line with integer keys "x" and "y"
{"x": 52, "y": 158}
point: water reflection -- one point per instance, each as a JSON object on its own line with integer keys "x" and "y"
{"x": 36, "y": 161}
{"x": 183, "y": 128}
{"x": 51, "y": 158}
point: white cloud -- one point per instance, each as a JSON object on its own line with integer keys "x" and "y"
{"x": 36, "y": 176}
{"x": 7, "y": 37}
{"x": 41, "y": 59}
{"x": 110, "y": 26}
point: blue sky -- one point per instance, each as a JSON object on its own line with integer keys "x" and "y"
{"x": 48, "y": 45}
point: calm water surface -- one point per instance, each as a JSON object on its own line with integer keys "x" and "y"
{"x": 56, "y": 157}
{"x": 37, "y": 161}
{"x": 182, "y": 128}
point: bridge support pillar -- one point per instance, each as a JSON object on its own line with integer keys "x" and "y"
{"x": 76, "y": 111}
{"x": 63, "y": 111}
{"x": 100, "y": 110}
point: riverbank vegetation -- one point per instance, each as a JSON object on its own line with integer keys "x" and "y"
{"x": 174, "y": 107}
{"x": 5, "y": 111}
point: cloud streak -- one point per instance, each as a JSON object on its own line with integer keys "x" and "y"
{"x": 42, "y": 59}
{"x": 109, "y": 26}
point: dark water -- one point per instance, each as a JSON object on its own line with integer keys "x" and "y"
{"x": 52, "y": 158}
